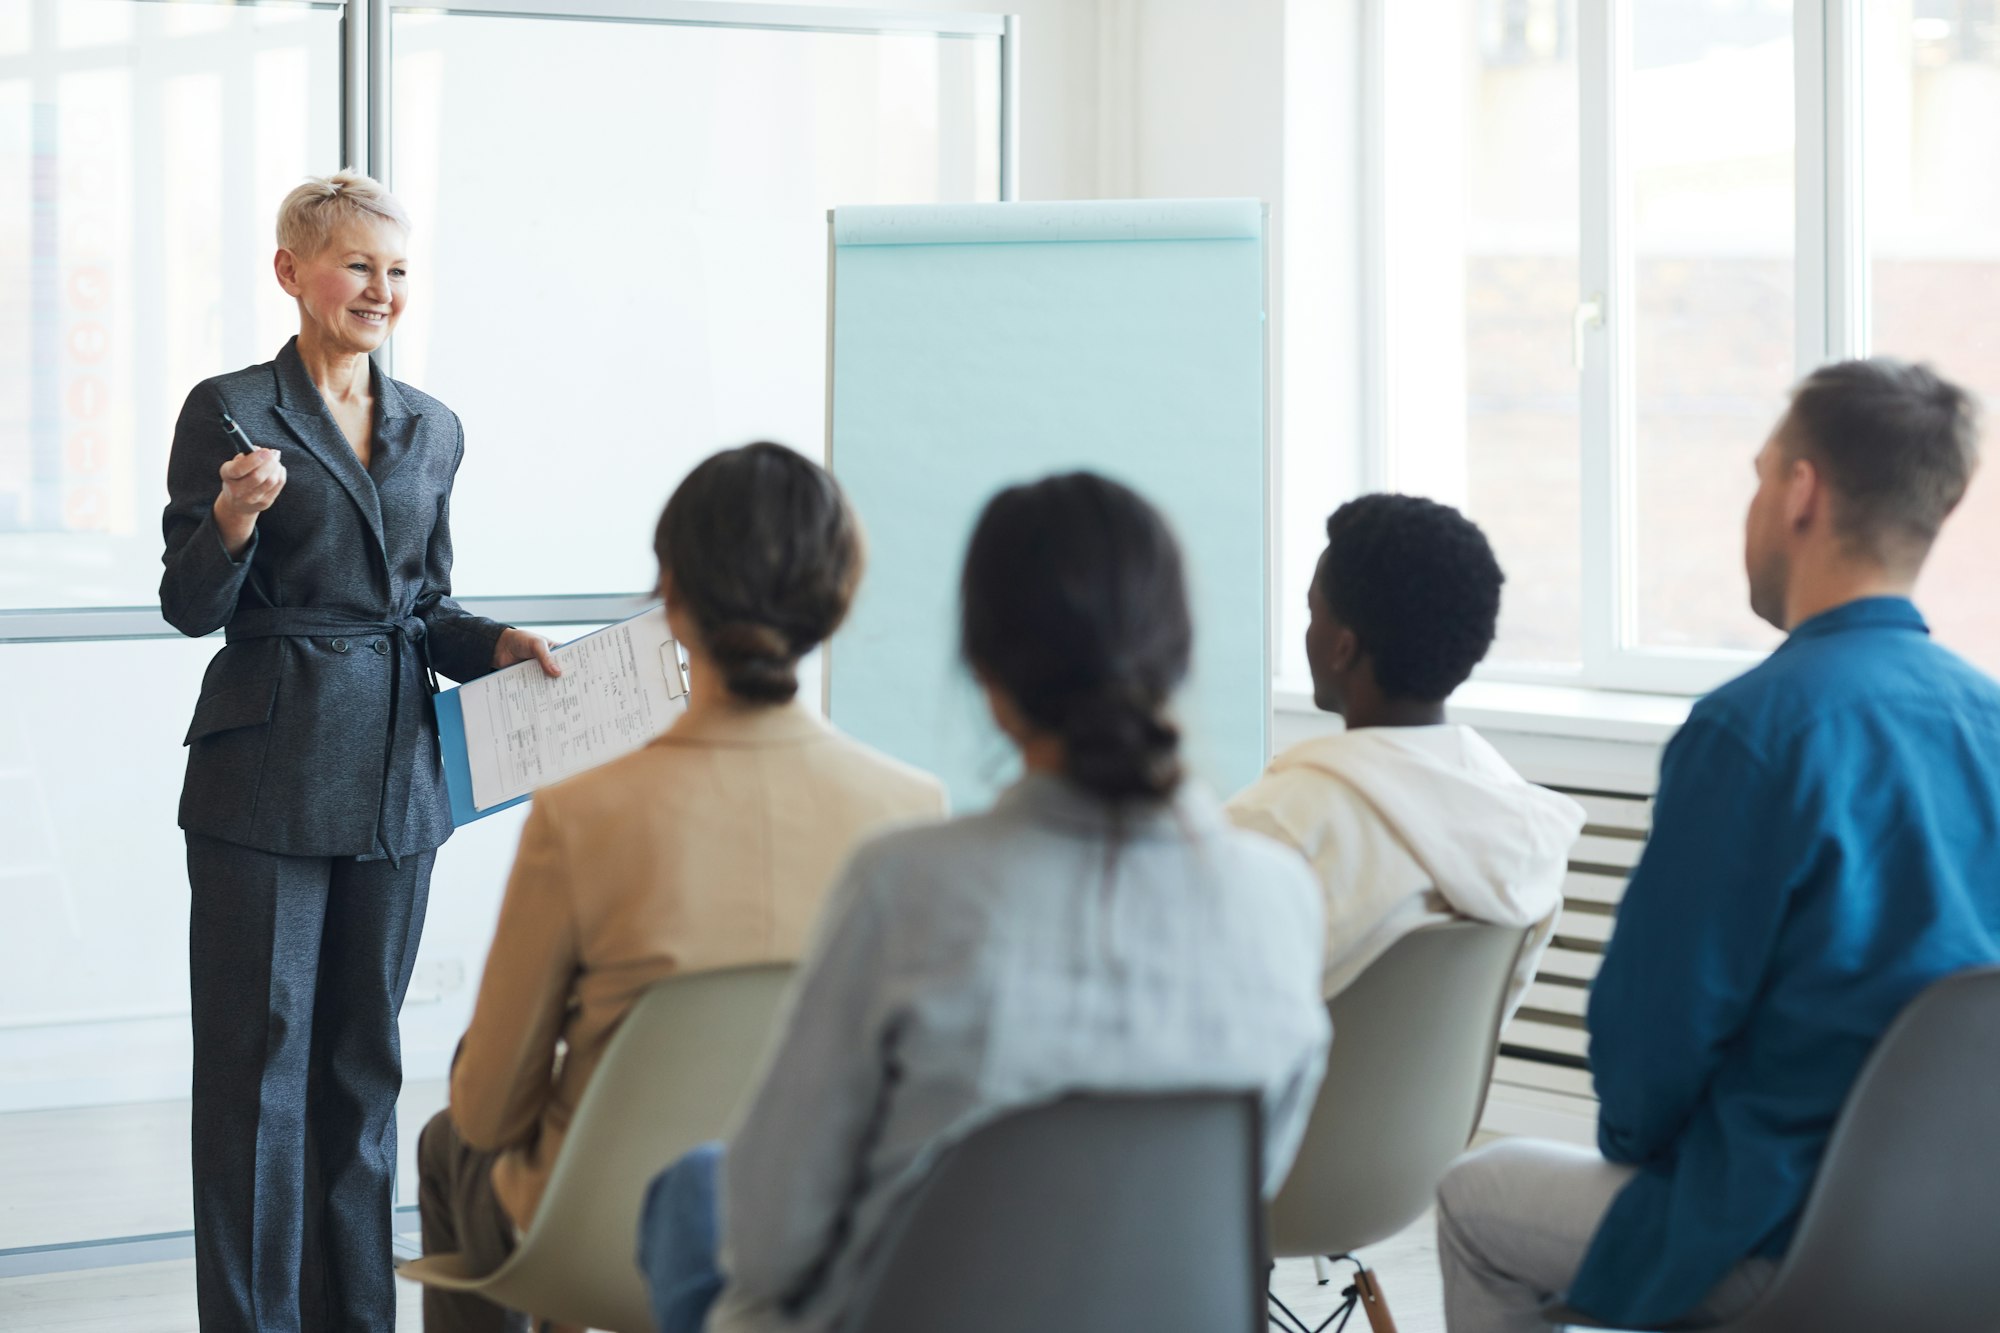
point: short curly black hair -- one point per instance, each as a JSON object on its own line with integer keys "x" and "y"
{"x": 1418, "y": 584}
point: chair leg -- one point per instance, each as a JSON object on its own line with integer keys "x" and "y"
{"x": 1350, "y": 1298}
{"x": 1321, "y": 1271}
{"x": 1285, "y": 1318}
{"x": 1367, "y": 1289}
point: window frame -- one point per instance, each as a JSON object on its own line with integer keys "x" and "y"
{"x": 366, "y": 80}
{"x": 1831, "y": 315}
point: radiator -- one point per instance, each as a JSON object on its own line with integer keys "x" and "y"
{"x": 1544, "y": 1048}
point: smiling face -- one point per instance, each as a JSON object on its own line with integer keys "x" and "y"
{"x": 352, "y": 292}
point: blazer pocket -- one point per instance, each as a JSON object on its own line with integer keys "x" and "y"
{"x": 247, "y": 704}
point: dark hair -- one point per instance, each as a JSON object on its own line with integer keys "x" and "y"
{"x": 1074, "y": 604}
{"x": 764, "y": 554}
{"x": 1417, "y": 583}
{"x": 1896, "y": 442}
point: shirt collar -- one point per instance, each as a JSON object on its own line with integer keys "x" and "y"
{"x": 1046, "y": 798}
{"x": 1862, "y": 613}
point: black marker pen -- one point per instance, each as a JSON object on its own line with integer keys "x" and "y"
{"x": 235, "y": 432}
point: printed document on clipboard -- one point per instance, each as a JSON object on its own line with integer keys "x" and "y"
{"x": 504, "y": 735}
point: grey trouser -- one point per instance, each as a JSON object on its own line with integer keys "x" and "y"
{"x": 1514, "y": 1220}
{"x": 297, "y": 969}
{"x": 462, "y": 1215}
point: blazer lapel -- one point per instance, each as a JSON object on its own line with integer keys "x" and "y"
{"x": 304, "y": 414}
{"x": 395, "y": 427}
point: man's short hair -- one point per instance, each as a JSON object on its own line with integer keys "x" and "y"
{"x": 1417, "y": 583}
{"x": 1896, "y": 442}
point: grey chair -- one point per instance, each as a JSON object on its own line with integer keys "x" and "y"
{"x": 1900, "y": 1230}
{"x": 1414, "y": 1039}
{"x": 1091, "y": 1213}
{"x": 672, "y": 1077}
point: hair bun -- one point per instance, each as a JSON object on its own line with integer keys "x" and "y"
{"x": 1118, "y": 745}
{"x": 1073, "y": 605}
{"x": 757, "y": 661}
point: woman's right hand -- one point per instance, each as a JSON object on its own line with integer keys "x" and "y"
{"x": 250, "y": 484}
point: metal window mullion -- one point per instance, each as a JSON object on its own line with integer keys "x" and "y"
{"x": 380, "y": 75}
{"x": 1809, "y": 177}
{"x": 1604, "y": 43}
{"x": 1376, "y": 378}
{"x": 1832, "y": 256}
{"x": 1010, "y": 110}
{"x": 728, "y": 14}
{"x": 354, "y": 26}
{"x": 1848, "y": 295}
{"x": 62, "y": 625}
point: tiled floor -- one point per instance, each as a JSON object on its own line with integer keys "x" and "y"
{"x": 78, "y": 1175}
{"x": 159, "y": 1298}
{"x": 143, "y": 1298}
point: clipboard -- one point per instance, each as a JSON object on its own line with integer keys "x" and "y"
{"x": 457, "y": 765}
{"x": 454, "y": 751}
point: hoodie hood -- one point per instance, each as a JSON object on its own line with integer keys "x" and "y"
{"x": 1494, "y": 845}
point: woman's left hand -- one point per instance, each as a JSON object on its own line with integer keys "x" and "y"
{"x": 517, "y": 645}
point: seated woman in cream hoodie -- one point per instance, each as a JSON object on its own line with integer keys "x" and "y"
{"x": 713, "y": 846}
{"x": 1406, "y": 818}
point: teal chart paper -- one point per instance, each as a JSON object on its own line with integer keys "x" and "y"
{"x": 974, "y": 346}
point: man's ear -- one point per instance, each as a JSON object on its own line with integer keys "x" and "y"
{"x": 1806, "y": 498}
{"x": 1344, "y": 651}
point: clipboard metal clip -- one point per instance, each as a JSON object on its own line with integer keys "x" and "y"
{"x": 676, "y": 667}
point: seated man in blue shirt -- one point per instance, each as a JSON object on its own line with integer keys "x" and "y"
{"x": 1824, "y": 843}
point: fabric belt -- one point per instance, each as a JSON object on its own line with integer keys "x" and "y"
{"x": 304, "y": 622}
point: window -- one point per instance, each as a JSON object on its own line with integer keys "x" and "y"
{"x": 144, "y": 147}
{"x": 143, "y": 151}
{"x": 1664, "y": 212}
{"x": 1483, "y": 399}
{"x": 1932, "y": 93}
{"x": 659, "y": 291}
{"x": 1709, "y": 139}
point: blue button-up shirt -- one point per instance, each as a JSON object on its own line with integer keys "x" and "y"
{"x": 1826, "y": 842}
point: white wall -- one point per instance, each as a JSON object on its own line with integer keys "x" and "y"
{"x": 1260, "y": 98}
{"x": 1158, "y": 98}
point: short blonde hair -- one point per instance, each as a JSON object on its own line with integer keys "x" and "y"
{"x": 310, "y": 213}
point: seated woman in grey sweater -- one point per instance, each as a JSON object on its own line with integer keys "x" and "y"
{"x": 1100, "y": 928}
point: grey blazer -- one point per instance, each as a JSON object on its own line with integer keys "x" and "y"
{"x": 314, "y": 734}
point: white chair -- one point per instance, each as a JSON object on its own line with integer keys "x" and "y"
{"x": 673, "y": 1077}
{"x": 1413, "y": 1044}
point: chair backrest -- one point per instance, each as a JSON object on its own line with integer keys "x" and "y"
{"x": 1094, "y": 1212}
{"x": 673, "y": 1077}
{"x": 1904, "y": 1218}
{"x": 1413, "y": 1044}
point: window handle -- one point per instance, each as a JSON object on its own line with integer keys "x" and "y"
{"x": 1588, "y": 315}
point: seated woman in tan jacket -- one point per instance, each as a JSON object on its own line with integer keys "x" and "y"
{"x": 709, "y": 848}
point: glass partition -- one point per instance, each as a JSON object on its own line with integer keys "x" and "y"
{"x": 143, "y": 150}
{"x": 620, "y": 255}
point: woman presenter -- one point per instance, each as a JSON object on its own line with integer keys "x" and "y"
{"x": 308, "y": 520}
